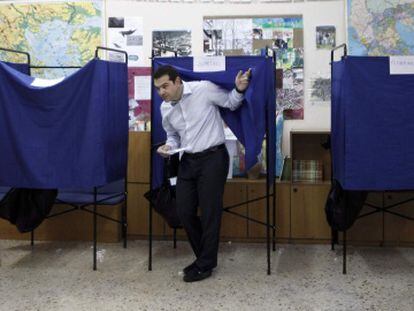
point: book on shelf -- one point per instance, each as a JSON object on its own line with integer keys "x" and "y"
{"x": 307, "y": 171}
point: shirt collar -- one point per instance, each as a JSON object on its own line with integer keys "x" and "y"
{"x": 186, "y": 91}
{"x": 187, "y": 88}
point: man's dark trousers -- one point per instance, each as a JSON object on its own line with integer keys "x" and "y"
{"x": 200, "y": 183}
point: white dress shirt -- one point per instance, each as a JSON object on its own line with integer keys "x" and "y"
{"x": 194, "y": 121}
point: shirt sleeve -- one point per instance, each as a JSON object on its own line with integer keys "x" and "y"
{"x": 223, "y": 98}
{"x": 173, "y": 138}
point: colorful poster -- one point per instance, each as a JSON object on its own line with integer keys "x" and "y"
{"x": 249, "y": 36}
{"x": 139, "y": 94}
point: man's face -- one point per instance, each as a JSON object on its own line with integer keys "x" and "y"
{"x": 167, "y": 89}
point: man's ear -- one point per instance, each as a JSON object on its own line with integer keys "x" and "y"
{"x": 177, "y": 80}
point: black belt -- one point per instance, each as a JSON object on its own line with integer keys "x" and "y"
{"x": 206, "y": 151}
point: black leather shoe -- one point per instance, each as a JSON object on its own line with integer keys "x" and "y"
{"x": 196, "y": 274}
{"x": 189, "y": 267}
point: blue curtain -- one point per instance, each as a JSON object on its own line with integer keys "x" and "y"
{"x": 372, "y": 125}
{"x": 72, "y": 134}
{"x": 248, "y": 122}
{"x": 22, "y": 67}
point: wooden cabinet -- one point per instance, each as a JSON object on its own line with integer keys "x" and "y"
{"x": 311, "y": 146}
{"x": 139, "y": 157}
{"x": 300, "y": 214}
{"x": 232, "y": 226}
{"x": 257, "y": 210}
{"x": 138, "y": 213}
{"x": 397, "y": 230}
{"x": 74, "y": 226}
{"x": 310, "y": 185}
{"x": 307, "y": 212}
{"x": 369, "y": 229}
{"x": 283, "y": 211}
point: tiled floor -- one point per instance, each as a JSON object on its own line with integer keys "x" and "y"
{"x": 59, "y": 276}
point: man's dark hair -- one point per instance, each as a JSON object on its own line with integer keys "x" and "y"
{"x": 166, "y": 70}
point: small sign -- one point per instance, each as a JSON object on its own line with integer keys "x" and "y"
{"x": 401, "y": 65}
{"x": 142, "y": 87}
{"x": 209, "y": 63}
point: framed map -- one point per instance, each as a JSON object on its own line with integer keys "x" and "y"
{"x": 381, "y": 27}
{"x": 54, "y": 33}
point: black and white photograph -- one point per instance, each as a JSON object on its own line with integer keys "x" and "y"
{"x": 169, "y": 42}
{"x": 116, "y": 22}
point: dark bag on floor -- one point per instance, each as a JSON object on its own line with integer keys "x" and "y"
{"x": 163, "y": 199}
{"x": 343, "y": 206}
{"x": 27, "y": 208}
{"x": 164, "y": 203}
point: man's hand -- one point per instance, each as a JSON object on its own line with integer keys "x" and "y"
{"x": 242, "y": 80}
{"x": 163, "y": 151}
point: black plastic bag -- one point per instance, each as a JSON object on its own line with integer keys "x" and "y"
{"x": 342, "y": 207}
{"x": 163, "y": 199}
{"x": 27, "y": 208}
{"x": 164, "y": 203}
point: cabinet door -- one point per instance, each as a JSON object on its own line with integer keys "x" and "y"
{"x": 308, "y": 220}
{"x": 138, "y": 208}
{"x": 399, "y": 230}
{"x": 139, "y": 157}
{"x": 369, "y": 229}
{"x": 283, "y": 210}
{"x": 232, "y": 226}
{"x": 257, "y": 210}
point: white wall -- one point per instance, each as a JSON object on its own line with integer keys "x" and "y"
{"x": 183, "y": 16}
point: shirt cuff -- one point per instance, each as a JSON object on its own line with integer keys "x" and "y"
{"x": 172, "y": 145}
{"x": 238, "y": 96}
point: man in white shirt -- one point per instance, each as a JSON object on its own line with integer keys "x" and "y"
{"x": 191, "y": 119}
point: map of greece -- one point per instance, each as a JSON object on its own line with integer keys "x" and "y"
{"x": 55, "y": 34}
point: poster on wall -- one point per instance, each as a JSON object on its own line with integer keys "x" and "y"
{"x": 380, "y": 27}
{"x": 290, "y": 98}
{"x": 320, "y": 89}
{"x": 325, "y": 37}
{"x": 226, "y": 36}
{"x": 126, "y": 33}
{"x": 139, "y": 95}
{"x": 249, "y": 36}
{"x": 54, "y": 34}
{"x": 167, "y": 42}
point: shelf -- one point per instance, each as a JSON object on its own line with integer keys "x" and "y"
{"x": 311, "y": 149}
